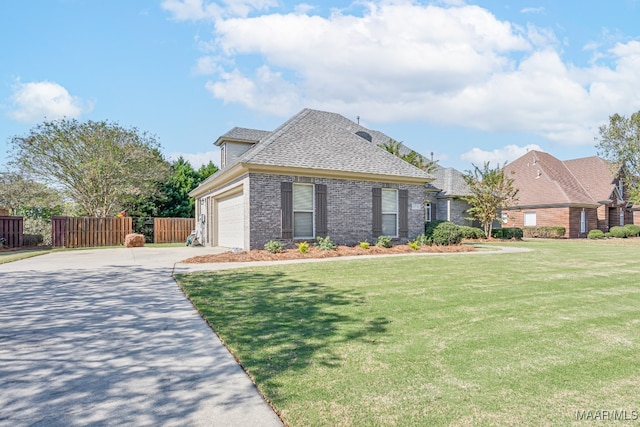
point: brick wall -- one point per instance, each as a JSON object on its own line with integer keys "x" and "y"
{"x": 450, "y": 209}
{"x": 568, "y": 217}
{"x": 349, "y": 208}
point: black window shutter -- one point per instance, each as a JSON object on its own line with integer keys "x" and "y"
{"x": 286, "y": 197}
{"x": 321, "y": 210}
{"x": 403, "y": 213}
{"x": 377, "y": 212}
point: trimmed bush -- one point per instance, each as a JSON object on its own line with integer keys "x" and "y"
{"x": 634, "y": 230}
{"x": 595, "y": 234}
{"x": 446, "y": 234}
{"x": 325, "y": 243}
{"x": 619, "y": 232}
{"x": 32, "y": 239}
{"x": 384, "y": 242}
{"x": 471, "y": 232}
{"x": 423, "y": 240}
{"x": 607, "y": 234}
{"x": 507, "y": 233}
{"x": 430, "y": 226}
{"x": 273, "y": 246}
{"x": 303, "y": 247}
{"x": 547, "y": 232}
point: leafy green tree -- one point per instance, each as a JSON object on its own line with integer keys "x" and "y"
{"x": 28, "y": 198}
{"x": 172, "y": 199}
{"x": 33, "y": 201}
{"x": 491, "y": 191}
{"x": 619, "y": 143}
{"x": 413, "y": 157}
{"x": 206, "y": 171}
{"x": 98, "y": 165}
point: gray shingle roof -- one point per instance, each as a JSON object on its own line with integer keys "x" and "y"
{"x": 450, "y": 183}
{"x": 244, "y": 134}
{"x": 315, "y": 139}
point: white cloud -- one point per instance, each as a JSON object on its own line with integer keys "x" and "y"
{"x": 267, "y": 92}
{"x": 532, "y": 10}
{"x": 195, "y": 10}
{"x": 191, "y": 10}
{"x": 35, "y": 101}
{"x": 401, "y": 60}
{"x": 198, "y": 159}
{"x": 205, "y": 66}
{"x": 499, "y": 156}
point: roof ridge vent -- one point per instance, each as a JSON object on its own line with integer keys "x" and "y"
{"x": 365, "y": 135}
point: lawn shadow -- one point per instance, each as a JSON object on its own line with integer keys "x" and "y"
{"x": 274, "y": 323}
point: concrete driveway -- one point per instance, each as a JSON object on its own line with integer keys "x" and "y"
{"x": 106, "y": 337}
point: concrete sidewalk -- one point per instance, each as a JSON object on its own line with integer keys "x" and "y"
{"x": 106, "y": 337}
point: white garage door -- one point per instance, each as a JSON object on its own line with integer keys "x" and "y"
{"x": 231, "y": 222}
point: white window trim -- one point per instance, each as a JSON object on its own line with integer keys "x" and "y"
{"x": 428, "y": 212}
{"x": 312, "y": 211}
{"x": 583, "y": 221}
{"x": 621, "y": 217}
{"x": 530, "y": 215}
{"x": 396, "y": 213}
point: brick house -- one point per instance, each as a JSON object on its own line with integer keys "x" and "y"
{"x": 445, "y": 197}
{"x": 580, "y": 194}
{"x": 318, "y": 174}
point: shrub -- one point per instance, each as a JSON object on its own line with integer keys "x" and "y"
{"x": 619, "y": 232}
{"x": 423, "y": 240}
{"x": 38, "y": 226}
{"x": 430, "y": 226}
{"x": 32, "y": 239}
{"x": 446, "y": 234}
{"x": 545, "y": 232}
{"x": 384, "y": 242}
{"x": 273, "y": 246}
{"x": 303, "y": 247}
{"x": 365, "y": 245}
{"x": 471, "y": 232}
{"x": 634, "y": 230}
{"x": 507, "y": 233}
{"x": 607, "y": 234}
{"x": 595, "y": 234}
{"x": 414, "y": 245}
{"x": 325, "y": 243}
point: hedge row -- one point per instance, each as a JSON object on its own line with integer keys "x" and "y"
{"x": 507, "y": 233}
{"x": 548, "y": 232}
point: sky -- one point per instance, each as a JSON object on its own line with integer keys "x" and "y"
{"x": 464, "y": 82}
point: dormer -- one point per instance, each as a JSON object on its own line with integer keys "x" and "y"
{"x": 236, "y": 142}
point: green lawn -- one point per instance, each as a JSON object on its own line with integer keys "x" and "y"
{"x": 536, "y": 338}
{"x": 10, "y": 256}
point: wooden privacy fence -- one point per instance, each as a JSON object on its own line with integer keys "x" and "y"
{"x": 80, "y": 232}
{"x": 12, "y": 231}
{"x": 72, "y": 232}
{"x": 172, "y": 230}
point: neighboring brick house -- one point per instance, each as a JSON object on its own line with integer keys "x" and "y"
{"x": 318, "y": 174}
{"x": 581, "y": 194}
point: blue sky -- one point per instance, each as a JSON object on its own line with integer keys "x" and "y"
{"x": 469, "y": 81}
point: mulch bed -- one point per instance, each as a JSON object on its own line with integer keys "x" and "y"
{"x": 314, "y": 252}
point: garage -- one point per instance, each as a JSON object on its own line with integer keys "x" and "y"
{"x": 230, "y": 224}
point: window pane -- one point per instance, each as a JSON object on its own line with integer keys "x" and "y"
{"x": 302, "y": 197}
{"x": 389, "y": 200}
{"x": 302, "y": 224}
{"x": 529, "y": 219}
{"x": 389, "y": 225}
